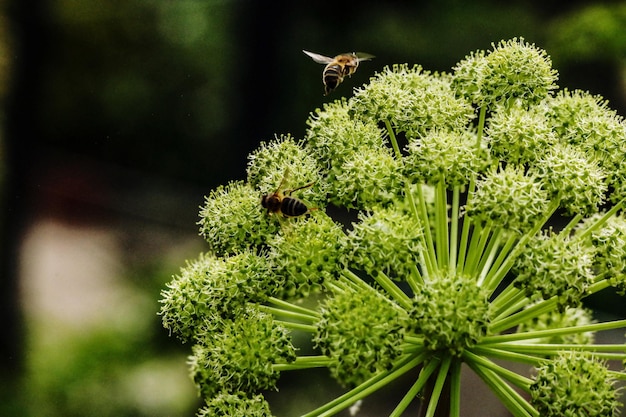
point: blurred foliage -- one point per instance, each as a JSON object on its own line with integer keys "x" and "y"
{"x": 595, "y": 32}
{"x": 123, "y": 366}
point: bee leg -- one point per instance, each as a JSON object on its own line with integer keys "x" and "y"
{"x": 288, "y": 192}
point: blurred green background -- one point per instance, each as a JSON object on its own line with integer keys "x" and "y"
{"x": 119, "y": 116}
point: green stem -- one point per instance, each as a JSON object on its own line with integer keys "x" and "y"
{"x": 513, "y": 401}
{"x": 454, "y": 228}
{"x": 359, "y": 284}
{"x": 531, "y": 312}
{"x": 537, "y": 334}
{"x": 304, "y": 362}
{"x": 466, "y": 228}
{"x": 297, "y": 326}
{"x": 601, "y": 221}
{"x": 292, "y": 307}
{"x": 507, "y": 355}
{"x": 393, "y": 140}
{"x": 496, "y": 276}
{"x": 455, "y": 389}
{"x": 442, "y": 377}
{"x": 481, "y": 127}
{"x": 288, "y": 314}
{"x": 516, "y": 379}
{"x": 419, "y": 213}
{"x": 480, "y": 236}
{"x": 609, "y": 352}
{"x": 368, "y": 387}
{"x": 487, "y": 261}
{"x": 412, "y": 393}
{"x": 392, "y": 289}
{"x": 431, "y": 258}
{"x": 441, "y": 224}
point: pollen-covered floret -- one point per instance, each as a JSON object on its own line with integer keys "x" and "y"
{"x": 387, "y": 240}
{"x": 240, "y": 356}
{"x": 306, "y": 253}
{"x": 336, "y": 132}
{"x": 366, "y": 179}
{"x": 451, "y": 313}
{"x": 585, "y": 120}
{"x": 211, "y": 289}
{"x": 233, "y": 220}
{"x": 362, "y": 332}
{"x": 574, "y": 384}
{"x": 572, "y": 177}
{"x": 610, "y": 243}
{"x": 413, "y": 101}
{"x": 444, "y": 154}
{"x": 555, "y": 265}
{"x": 508, "y": 198}
{"x": 519, "y": 135}
{"x": 225, "y": 404}
{"x": 513, "y": 72}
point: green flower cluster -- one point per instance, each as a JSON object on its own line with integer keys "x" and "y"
{"x": 574, "y": 384}
{"x": 426, "y": 243}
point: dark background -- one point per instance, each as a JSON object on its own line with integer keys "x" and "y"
{"x": 120, "y": 115}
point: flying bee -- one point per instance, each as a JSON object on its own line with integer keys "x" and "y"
{"x": 280, "y": 201}
{"x": 338, "y": 67}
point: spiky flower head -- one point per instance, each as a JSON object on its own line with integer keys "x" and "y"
{"x": 361, "y": 331}
{"x": 574, "y": 384}
{"x": 452, "y": 313}
{"x": 225, "y": 404}
{"x": 241, "y": 355}
{"x": 513, "y": 72}
{"x": 509, "y": 198}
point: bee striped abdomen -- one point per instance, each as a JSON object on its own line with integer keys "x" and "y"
{"x": 333, "y": 76}
{"x": 292, "y": 207}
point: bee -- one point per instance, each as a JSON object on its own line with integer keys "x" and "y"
{"x": 280, "y": 201}
{"x": 338, "y": 67}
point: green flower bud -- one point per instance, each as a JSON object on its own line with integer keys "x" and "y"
{"x": 241, "y": 355}
{"x": 210, "y": 289}
{"x": 362, "y": 332}
{"x": 451, "y": 313}
{"x": 445, "y": 154}
{"x": 519, "y": 135}
{"x": 306, "y": 253}
{"x": 571, "y": 176}
{"x": 370, "y": 178}
{"x": 574, "y": 384}
{"x": 610, "y": 256}
{"x": 513, "y": 72}
{"x": 233, "y": 220}
{"x": 582, "y": 119}
{"x": 412, "y": 101}
{"x": 387, "y": 240}
{"x": 509, "y": 199}
{"x": 466, "y": 73}
{"x": 239, "y": 404}
{"x": 555, "y": 265}
{"x": 336, "y": 133}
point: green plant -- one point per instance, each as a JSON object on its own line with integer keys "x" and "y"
{"x": 454, "y": 179}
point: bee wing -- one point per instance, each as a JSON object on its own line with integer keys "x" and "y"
{"x": 363, "y": 56}
{"x": 320, "y": 59}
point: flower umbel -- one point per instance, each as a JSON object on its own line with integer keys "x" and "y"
{"x": 477, "y": 241}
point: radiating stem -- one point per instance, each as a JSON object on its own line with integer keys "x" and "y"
{"x": 454, "y": 228}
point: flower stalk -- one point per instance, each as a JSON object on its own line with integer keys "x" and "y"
{"x": 451, "y": 257}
